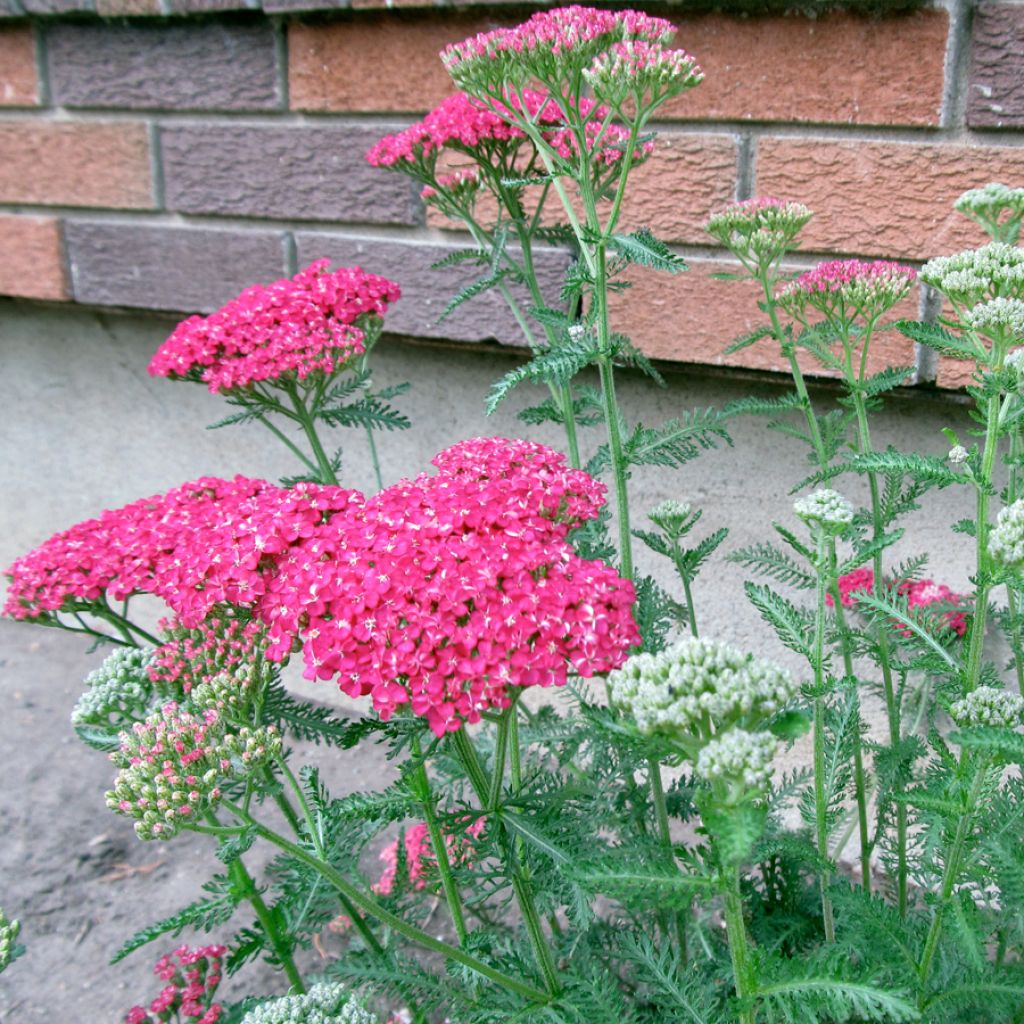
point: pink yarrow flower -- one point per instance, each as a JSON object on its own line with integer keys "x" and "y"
{"x": 445, "y": 591}
{"x": 845, "y": 289}
{"x": 300, "y": 326}
{"x": 192, "y": 976}
{"x": 420, "y": 861}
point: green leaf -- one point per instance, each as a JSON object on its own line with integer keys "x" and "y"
{"x": 478, "y": 287}
{"x": 770, "y": 561}
{"x": 762, "y": 406}
{"x": 549, "y": 366}
{"x": 479, "y": 256}
{"x": 788, "y": 621}
{"x": 1006, "y": 744}
{"x": 98, "y": 738}
{"x": 938, "y": 338}
{"x": 642, "y": 248}
{"x": 746, "y": 340}
{"x": 790, "y": 725}
{"x": 617, "y": 876}
{"x": 528, "y": 830}
{"x": 885, "y": 380}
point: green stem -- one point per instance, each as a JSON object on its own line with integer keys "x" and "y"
{"x": 859, "y": 777}
{"x": 327, "y": 474}
{"x": 374, "y": 909}
{"x": 287, "y": 441}
{"x": 739, "y": 948}
{"x": 665, "y": 835}
{"x": 437, "y": 840}
{"x": 691, "y": 610}
{"x": 820, "y": 810}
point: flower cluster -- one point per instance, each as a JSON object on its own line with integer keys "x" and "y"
{"x": 445, "y": 591}
{"x": 846, "y": 289}
{"x": 741, "y": 759}
{"x": 999, "y": 319}
{"x": 117, "y": 691}
{"x": 636, "y": 67}
{"x": 989, "y": 706}
{"x": 322, "y": 1004}
{"x": 550, "y": 46}
{"x": 761, "y": 230}
{"x": 420, "y": 861}
{"x": 996, "y": 207}
{"x": 192, "y": 977}
{"x": 1006, "y": 539}
{"x": 290, "y": 328}
{"x": 8, "y": 940}
{"x": 919, "y": 594}
{"x": 974, "y": 276}
{"x": 207, "y": 542}
{"x": 174, "y": 764}
{"x": 699, "y": 688}
{"x": 826, "y": 508}
{"x": 674, "y": 518}
{"x": 220, "y": 646}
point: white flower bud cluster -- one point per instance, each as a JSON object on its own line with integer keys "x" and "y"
{"x": 826, "y": 507}
{"x": 322, "y": 1004}
{"x": 988, "y": 705}
{"x": 698, "y": 687}
{"x": 8, "y": 939}
{"x": 1015, "y": 361}
{"x": 636, "y": 66}
{"x": 991, "y": 200}
{"x": 119, "y": 689}
{"x": 997, "y": 317}
{"x": 671, "y": 516}
{"x": 1006, "y": 541}
{"x": 739, "y": 757}
{"x": 976, "y": 275}
{"x": 762, "y": 228}
{"x": 958, "y": 454}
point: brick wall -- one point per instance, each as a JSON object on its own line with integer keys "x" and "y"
{"x": 162, "y": 154}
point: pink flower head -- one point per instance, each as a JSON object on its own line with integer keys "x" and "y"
{"x": 444, "y": 591}
{"x": 759, "y": 230}
{"x": 846, "y": 289}
{"x": 193, "y": 977}
{"x": 217, "y": 647}
{"x": 208, "y": 542}
{"x": 294, "y": 327}
{"x": 638, "y": 68}
{"x": 550, "y": 45}
{"x": 420, "y": 862}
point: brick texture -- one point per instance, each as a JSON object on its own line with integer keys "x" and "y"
{"x": 425, "y": 291}
{"x": 33, "y": 262}
{"x": 57, "y": 6}
{"x": 673, "y": 193}
{"x": 156, "y": 267}
{"x": 18, "y": 86}
{"x": 996, "y": 85}
{"x": 127, "y": 8}
{"x": 785, "y": 69}
{"x": 883, "y": 199}
{"x": 954, "y": 373}
{"x": 200, "y": 66}
{"x": 693, "y": 318}
{"x": 342, "y": 65}
{"x": 81, "y": 164}
{"x": 267, "y": 171}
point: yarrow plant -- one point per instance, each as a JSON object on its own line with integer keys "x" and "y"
{"x": 573, "y": 860}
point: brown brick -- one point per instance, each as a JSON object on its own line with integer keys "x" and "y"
{"x": 785, "y": 69}
{"x": 81, "y": 164}
{"x": 673, "y": 192}
{"x": 18, "y": 86}
{"x": 996, "y": 90}
{"x": 375, "y": 63}
{"x": 693, "y": 318}
{"x": 31, "y": 261}
{"x": 883, "y": 198}
{"x": 954, "y": 373}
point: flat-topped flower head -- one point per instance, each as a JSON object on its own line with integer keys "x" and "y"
{"x": 698, "y": 688}
{"x": 760, "y": 230}
{"x": 1001, "y": 320}
{"x": 988, "y": 705}
{"x": 968, "y": 278}
{"x": 8, "y": 940}
{"x": 740, "y": 759}
{"x": 325, "y": 1003}
{"x": 642, "y": 71}
{"x": 289, "y": 329}
{"x": 118, "y": 692}
{"x": 996, "y": 207}
{"x": 673, "y": 517}
{"x": 550, "y": 46}
{"x": 825, "y": 508}
{"x": 845, "y": 290}
{"x": 1006, "y": 538}
{"x": 173, "y": 767}
{"x": 191, "y": 978}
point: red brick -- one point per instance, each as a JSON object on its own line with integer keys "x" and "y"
{"x": 32, "y": 261}
{"x": 785, "y": 69}
{"x": 673, "y": 192}
{"x": 954, "y": 373}
{"x": 693, "y": 318}
{"x": 996, "y": 90}
{"x": 80, "y": 164}
{"x": 18, "y": 85}
{"x": 377, "y": 63}
{"x": 883, "y": 198}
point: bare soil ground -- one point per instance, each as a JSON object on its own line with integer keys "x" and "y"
{"x": 74, "y": 874}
